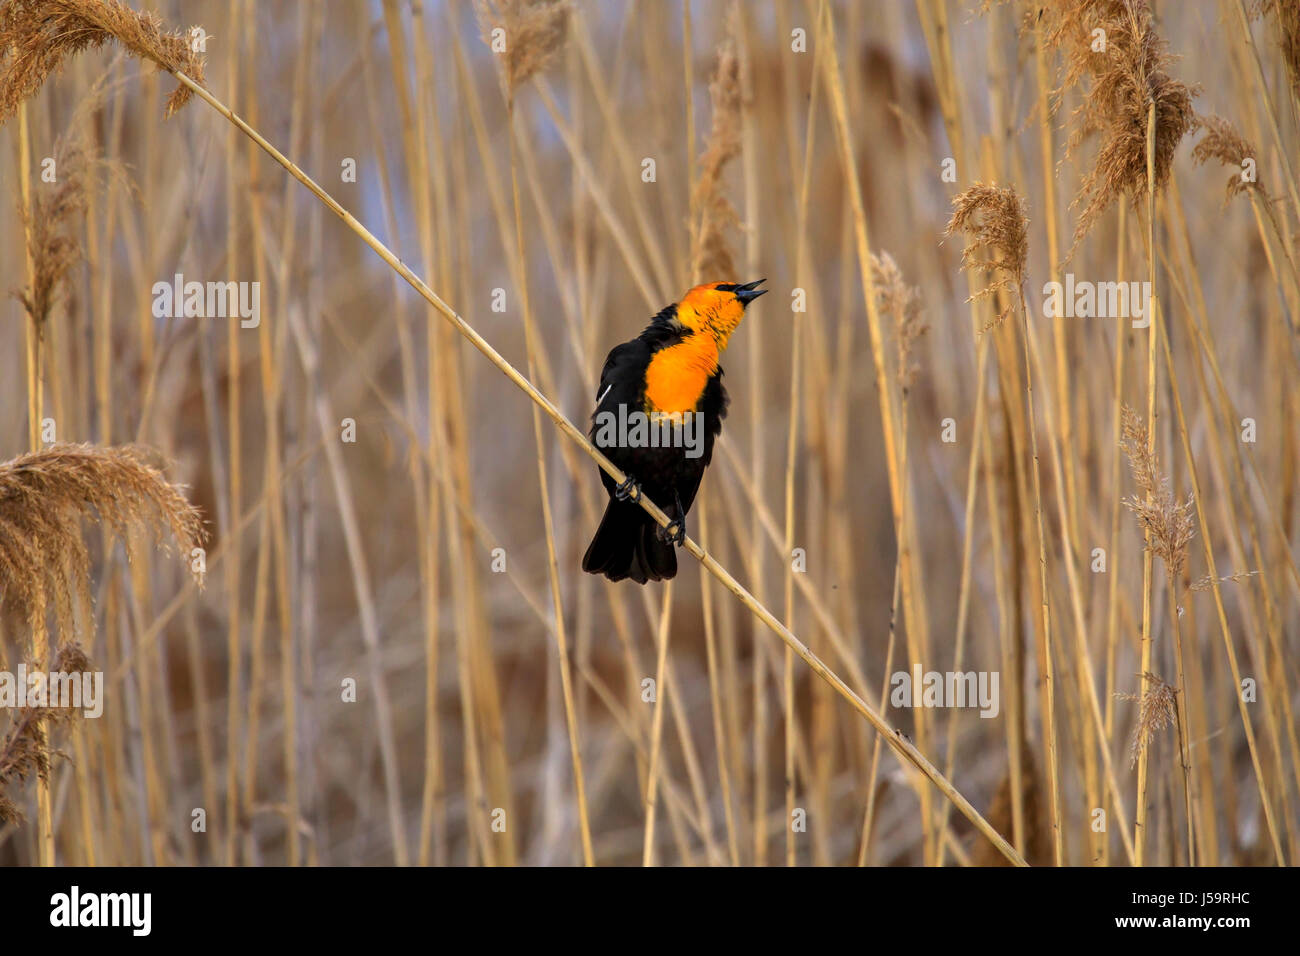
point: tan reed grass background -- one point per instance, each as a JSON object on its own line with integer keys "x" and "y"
{"x": 376, "y": 561}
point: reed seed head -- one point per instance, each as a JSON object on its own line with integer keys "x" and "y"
{"x": 534, "y": 35}
{"x": 1167, "y": 521}
{"x": 996, "y": 223}
{"x": 1221, "y": 141}
{"x": 1156, "y": 712}
{"x": 44, "y": 496}
{"x": 52, "y": 225}
{"x": 1114, "y": 44}
{"x": 1208, "y": 581}
{"x": 36, "y": 36}
{"x": 902, "y": 303}
{"x": 25, "y": 750}
{"x": 1285, "y": 15}
{"x": 712, "y": 214}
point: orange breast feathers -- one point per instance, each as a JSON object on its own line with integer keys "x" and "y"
{"x": 676, "y": 376}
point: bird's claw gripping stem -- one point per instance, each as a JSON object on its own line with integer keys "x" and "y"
{"x": 674, "y": 532}
{"x": 628, "y": 490}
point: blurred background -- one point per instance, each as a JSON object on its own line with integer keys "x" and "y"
{"x": 372, "y": 673}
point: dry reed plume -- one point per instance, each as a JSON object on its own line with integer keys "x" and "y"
{"x": 45, "y": 496}
{"x": 1207, "y": 582}
{"x": 534, "y": 33}
{"x": 996, "y": 223}
{"x": 1169, "y": 522}
{"x": 1127, "y": 68}
{"x": 1285, "y": 16}
{"x": 25, "y": 750}
{"x": 902, "y": 303}
{"x": 52, "y": 228}
{"x": 36, "y": 36}
{"x": 712, "y": 214}
{"x": 1157, "y": 711}
{"x": 1221, "y": 141}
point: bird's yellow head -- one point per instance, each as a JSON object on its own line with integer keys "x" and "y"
{"x": 717, "y": 308}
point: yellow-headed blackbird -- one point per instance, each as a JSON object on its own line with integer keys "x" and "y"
{"x": 659, "y": 406}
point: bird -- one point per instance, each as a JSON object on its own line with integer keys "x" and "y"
{"x": 667, "y": 378}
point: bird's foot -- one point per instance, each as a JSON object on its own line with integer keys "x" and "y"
{"x": 674, "y": 532}
{"x": 628, "y": 490}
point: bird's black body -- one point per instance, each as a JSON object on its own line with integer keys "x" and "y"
{"x": 628, "y": 543}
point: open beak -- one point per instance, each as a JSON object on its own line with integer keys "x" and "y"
{"x": 748, "y": 292}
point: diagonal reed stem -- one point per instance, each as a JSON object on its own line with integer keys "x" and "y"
{"x": 901, "y": 746}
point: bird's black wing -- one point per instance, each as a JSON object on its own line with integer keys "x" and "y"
{"x": 622, "y": 379}
{"x": 714, "y": 406}
{"x": 622, "y": 382}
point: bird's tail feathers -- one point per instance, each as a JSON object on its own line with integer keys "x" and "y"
{"x": 626, "y": 546}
